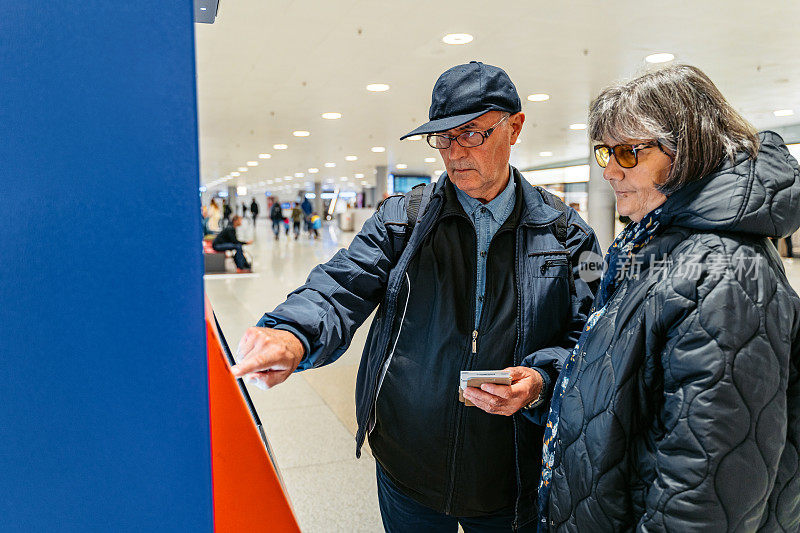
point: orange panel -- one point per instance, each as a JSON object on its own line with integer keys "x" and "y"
{"x": 248, "y": 495}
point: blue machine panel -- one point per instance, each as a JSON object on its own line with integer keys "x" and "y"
{"x": 103, "y": 380}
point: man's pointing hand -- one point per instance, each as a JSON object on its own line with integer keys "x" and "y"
{"x": 266, "y": 357}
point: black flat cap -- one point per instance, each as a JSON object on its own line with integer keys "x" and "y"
{"x": 465, "y": 92}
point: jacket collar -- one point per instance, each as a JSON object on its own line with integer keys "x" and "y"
{"x": 534, "y": 211}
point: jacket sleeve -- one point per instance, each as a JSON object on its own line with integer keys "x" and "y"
{"x": 339, "y": 295}
{"x": 723, "y": 417}
{"x": 550, "y": 360}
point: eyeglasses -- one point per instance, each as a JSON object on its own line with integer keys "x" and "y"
{"x": 467, "y": 139}
{"x": 627, "y": 155}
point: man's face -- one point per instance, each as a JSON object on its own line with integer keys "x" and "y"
{"x": 481, "y": 171}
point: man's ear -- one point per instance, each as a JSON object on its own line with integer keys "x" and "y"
{"x": 516, "y": 121}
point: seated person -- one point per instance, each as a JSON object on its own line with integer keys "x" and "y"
{"x": 226, "y": 240}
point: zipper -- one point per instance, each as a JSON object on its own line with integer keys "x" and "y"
{"x": 473, "y": 352}
{"x": 472, "y": 348}
{"x": 553, "y": 262}
{"x": 385, "y": 368}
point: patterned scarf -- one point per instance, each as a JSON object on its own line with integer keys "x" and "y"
{"x": 632, "y": 239}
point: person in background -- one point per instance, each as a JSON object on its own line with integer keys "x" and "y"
{"x": 307, "y": 209}
{"x": 227, "y": 212}
{"x": 297, "y": 219}
{"x": 204, "y": 219}
{"x": 254, "y": 209}
{"x": 276, "y": 215}
{"x": 227, "y": 240}
{"x": 214, "y": 216}
{"x": 679, "y": 407}
{"x": 315, "y": 223}
{"x": 487, "y": 280}
{"x": 244, "y": 210}
{"x": 787, "y": 242}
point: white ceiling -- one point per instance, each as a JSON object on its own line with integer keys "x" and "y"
{"x": 268, "y": 68}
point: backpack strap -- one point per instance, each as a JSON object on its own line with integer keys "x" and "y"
{"x": 561, "y": 225}
{"x": 416, "y": 201}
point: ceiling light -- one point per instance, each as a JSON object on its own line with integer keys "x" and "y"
{"x": 313, "y": 170}
{"x": 538, "y": 97}
{"x": 378, "y": 149}
{"x": 241, "y": 190}
{"x": 235, "y": 174}
{"x": 280, "y": 146}
{"x": 545, "y": 154}
{"x": 330, "y": 165}
{"x": 360, "y": 176}
{"x": 414, "y": 138}
{"x": 577, "y": 126}
{"x": 264, "y": 156}
{"x": 377, "y": 87}
{"x": 457, "y": 38}
{"x": 783, "y": 113}
{"x": 331, "y": 116}
{"x": 659, "y": 58}
{"x": 287, "y": 178}
{"x": 242, "y": 169}
{"x": 402, "y": 166}
{"x": 351, "y": 158}
{"x": 343, "y": 178}
{"x": 252, "y": 163}
{"x": 298, "y": 175}
{"x": 301, "y": 133}
{"x": 430, "y": 160}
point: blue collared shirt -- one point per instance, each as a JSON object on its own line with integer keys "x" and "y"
{"x": 487, "y": 219}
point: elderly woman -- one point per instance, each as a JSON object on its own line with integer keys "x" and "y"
{"x": 679, "y": 409}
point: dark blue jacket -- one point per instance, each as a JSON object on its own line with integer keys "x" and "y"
{"x": 682, "y": 412}
{"x": 340, "y": 294}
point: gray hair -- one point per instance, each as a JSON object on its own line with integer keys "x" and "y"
{"x": 681, "y": 108}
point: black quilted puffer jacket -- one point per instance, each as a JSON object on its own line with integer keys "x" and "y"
{"x": 683, "y": 409}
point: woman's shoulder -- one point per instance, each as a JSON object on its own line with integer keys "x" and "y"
{"x": 700, "y": 263}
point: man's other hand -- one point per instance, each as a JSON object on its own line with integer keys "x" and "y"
{"x": 526, "y": 384}
{"x": 266, "y": 357}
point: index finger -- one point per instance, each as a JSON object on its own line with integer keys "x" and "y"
{"x": 244, "y": 347}
{"x": 251, "y": 363}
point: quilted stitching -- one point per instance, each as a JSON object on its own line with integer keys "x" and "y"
{"x": 687, "y": 416}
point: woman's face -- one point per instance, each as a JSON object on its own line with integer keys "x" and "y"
{"x": 635, "y": 188}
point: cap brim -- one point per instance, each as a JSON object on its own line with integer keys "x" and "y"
{"x": 444, "y": 124}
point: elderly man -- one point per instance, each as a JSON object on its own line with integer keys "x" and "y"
{"x": 478, "y": 272}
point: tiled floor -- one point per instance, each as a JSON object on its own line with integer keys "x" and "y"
{"x": 310, "y": 419}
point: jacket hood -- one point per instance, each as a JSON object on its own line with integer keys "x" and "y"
{"x": 755, "y": 196}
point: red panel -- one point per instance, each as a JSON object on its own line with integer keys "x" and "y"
{"x": 248, "y": 495}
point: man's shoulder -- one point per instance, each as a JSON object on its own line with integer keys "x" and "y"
{"x": 393, "y": 208}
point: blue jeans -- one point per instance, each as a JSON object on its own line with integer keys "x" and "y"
{"x": 239, "y": 258}
{"x": 401, "y": 514}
